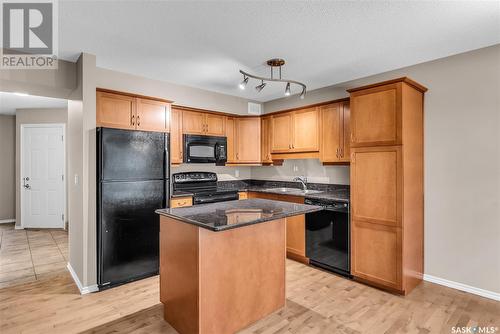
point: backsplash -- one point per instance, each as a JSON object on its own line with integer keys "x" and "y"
{"x": 242, "y": 184}
{"x": 310, "y": 168}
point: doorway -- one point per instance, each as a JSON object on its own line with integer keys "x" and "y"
{"x": 43, "y": 190}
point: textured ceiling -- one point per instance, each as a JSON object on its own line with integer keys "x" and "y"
{"x": 204, "y": 44}
{"x": 9, "y": 102}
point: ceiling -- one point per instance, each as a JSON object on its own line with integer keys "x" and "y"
{"x": 9, "y": 102}
{"x": 204, "y": 43}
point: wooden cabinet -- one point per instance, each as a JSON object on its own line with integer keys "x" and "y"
{"x": 123, "y": 111}
{"x": 243, "y": 140}
{"x": 201, "y": 123}
{"x": 378, "y": 253}
{"x": 281, "y": 133}
{"x": 376, "y": 116}
{"x": 115, "y": 111}
{"x": 152, "y": 115}
{"x": 335, "y": 133}
{"x": 296, "y": 131}
{"x": 305, "y": 130}
{"x": 295, "y": 226}
{"x": 248, "y": 140}
{"x": 242, "y": 195}
{"x": 179, "y": 202}
{"x": 176, "y": 145}
{"x": 387, "y": 184}
{"x": 265, "y": 131}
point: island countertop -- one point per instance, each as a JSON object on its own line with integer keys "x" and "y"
{"x": 233, "y": 214}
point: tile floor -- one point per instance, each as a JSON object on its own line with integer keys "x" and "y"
{"x": 28, "y": 255}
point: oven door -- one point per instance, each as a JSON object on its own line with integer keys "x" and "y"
{"x": 203, "y": 149}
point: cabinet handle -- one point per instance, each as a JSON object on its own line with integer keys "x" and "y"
{"x": 341, "y": 152}
{"x": 138, "y": 120}
{"x": 237, "y": 156}
{"x": 132, "y": 120}
{"x": 337, "y": 152}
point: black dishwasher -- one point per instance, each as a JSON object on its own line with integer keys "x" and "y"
{"x": 328, "y": 236}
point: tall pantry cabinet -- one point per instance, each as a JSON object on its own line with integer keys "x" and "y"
{"x": 387, "y": 207}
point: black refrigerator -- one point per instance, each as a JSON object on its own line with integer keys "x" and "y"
{"x": 132, "y": 182}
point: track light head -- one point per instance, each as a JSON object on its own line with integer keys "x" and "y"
{"x": 287, "y": 89}
{"x": 261, "y": 86}
{"x": 243, "y": 84}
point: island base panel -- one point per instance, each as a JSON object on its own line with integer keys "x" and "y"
{"x": 221, "y": 282}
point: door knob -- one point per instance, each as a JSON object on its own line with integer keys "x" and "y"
{"x": 25, "y": 185}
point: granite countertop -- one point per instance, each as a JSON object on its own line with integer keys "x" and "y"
{"x": 340, "y": 195}
{"x": 233, "y": 214}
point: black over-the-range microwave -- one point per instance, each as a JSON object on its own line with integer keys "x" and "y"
{"x": 205, "y": 149}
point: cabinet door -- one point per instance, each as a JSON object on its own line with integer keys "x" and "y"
{"x": 331, "y": 132}
{"x": 248, "y": 143}
{"x": 151, "y": 115}
{"x": 376, "y": 116}
{"x": 215, "y": 125}
{"x": 115, "y": 111}
{"x": 296, "y": 235}
{"x": 176, "y": 136}
{"x": 281, "y": 133}
{"x": 376, "y": 253}
{"x": 376, "y": 185}
{"x": 193, "y": 122}
{"x": 305, "y": 136}
{"x": 345, "y": 133}
{"x": 266, "y": 140}
{"x": 231, "y": 139}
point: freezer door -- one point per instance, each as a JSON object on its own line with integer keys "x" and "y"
{"x": 131, "y": 155}
{"x": 129, "y": 230}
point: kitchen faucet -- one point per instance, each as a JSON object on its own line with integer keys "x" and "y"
{"x": 303, "y": 180}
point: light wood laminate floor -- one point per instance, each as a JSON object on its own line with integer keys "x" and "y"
{"x": 28, "y": 255}
{"x": 317, "y": 302}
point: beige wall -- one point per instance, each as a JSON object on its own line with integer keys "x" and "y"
{"x": 7, "y": 167}
{"x": 181, "y": 95}
{"x": 311, "y": 168}
{"x": 462, "y": 162}
{"x": 33, "y": 116}
{"x": 59, "y": 83}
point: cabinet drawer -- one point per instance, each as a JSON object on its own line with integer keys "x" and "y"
{"x": 242, "y": 195}
{"x": 179, "y": 202}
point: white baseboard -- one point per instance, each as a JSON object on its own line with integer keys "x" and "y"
{"x": 83, "y": 289}
{"x": 463, "y": 287}
{"x": 6, "y": 221}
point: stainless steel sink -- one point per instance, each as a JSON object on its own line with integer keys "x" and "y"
{"x": 293, "y": 190}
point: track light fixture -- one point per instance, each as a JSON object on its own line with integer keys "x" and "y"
{"x": 244, "y": 82}
{"x": 261, "y": 86}
{"x": 287, "y": 89}
{"x": 275, "y": 62}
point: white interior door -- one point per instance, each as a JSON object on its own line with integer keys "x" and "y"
{"x": 42, "y": 176}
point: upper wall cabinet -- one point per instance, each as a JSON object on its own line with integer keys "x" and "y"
{"x": 265, "y": 132}
{"x": 243, "y": 140}
{"x": 176, "y": 136}
{"x": 296, "y": 131}
{"x": 201, "y": 123}
{"x": 115, "y": 111}
{"x": 129, "y": 112}
{"x": 335, "y": 133}
{"x": 376, "y": 116}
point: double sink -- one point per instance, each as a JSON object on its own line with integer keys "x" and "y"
{"x": 292, "y": 191}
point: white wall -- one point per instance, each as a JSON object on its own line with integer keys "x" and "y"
{"x": 462, "y": 162}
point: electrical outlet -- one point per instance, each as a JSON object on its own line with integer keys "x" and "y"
{"x": 237, "y": 173}
{"x": 77, "y": 179}
{"x": 295, "y": 168}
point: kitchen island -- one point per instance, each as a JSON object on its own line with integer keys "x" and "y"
{"x": 222, "y": 265}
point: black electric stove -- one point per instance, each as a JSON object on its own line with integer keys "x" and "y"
{"x": 203, "y": 186}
